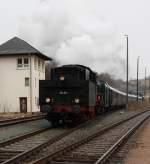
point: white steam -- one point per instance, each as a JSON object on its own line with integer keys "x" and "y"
{"x": 74, "y": 32}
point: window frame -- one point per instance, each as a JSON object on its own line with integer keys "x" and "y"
{"x": 42, "y": 66}
{"x": 39, "y": 64}
{"x": 19, "y": 65}
{"x": 22, "y": 63}
{"x": 35, "y": 63}
{"x": 26, "y": 65}
{"x": 25, "y": 82}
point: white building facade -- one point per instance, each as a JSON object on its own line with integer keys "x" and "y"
{"x": 21, "y": 68}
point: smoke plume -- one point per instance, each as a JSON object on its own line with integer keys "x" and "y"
{"x": 74, "y": 32}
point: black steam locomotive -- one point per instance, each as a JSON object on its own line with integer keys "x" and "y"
{"x": 73, "y": 94}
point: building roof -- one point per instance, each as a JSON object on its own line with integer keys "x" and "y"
{"x": 17, "y": 46}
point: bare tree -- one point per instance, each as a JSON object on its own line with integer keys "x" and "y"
{"x": 105, "y": 77}
{"x": 48, "y": 67}
{"x": 116, "y": 83}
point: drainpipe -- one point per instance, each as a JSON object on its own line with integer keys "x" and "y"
{"x": 30, "y": 83}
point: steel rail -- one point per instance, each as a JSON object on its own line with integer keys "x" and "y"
{"x": 8, "y": 122}
{"x": 22, "y": 136}
{"x": 116, "y": 145}
{"x": 82, "y": 141}
{"x": 18, "y": 118}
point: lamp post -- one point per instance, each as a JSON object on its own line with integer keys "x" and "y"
{"x": 127, "y": 74}
{"x": 145, "y": 85}
{"x": 137, "y": 87}
{"x": 149, "y": 87}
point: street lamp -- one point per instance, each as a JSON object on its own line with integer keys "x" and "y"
{"x": 127, "y": 74}
{"x": 145, "y": 85}
{"x": 149, "y": 87}
{"x": 137, "y": 89}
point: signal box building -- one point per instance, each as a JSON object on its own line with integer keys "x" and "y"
{"x": 21, "y": 68}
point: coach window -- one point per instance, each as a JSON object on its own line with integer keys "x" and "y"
{"x": 19, "y": 63}
{"x": 27, "y": 81}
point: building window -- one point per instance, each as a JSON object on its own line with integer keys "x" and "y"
{"x": 35, "y": 63}
{"x": 26, "y": 81}
{"x": 35, "y": 82}
{"x": 22, "y": 62}
{"x": 36, "y": 101}
{"x": 42, "y": 66}
{"x": 39, "y": 65}
{"x": 19, "y": 63}
{"x": 26, "y": 62}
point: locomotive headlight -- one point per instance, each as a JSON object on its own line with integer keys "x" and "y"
{"x": 47, "y": 100}
{"x": 62, "y": 78}
{"x": 76, "y": 100}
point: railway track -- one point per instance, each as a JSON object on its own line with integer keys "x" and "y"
{"x": 24, "y": 144}
{"x": 98, "y": 147}
{"x": 22, "y": 137}
{"x": 56, "y": 144}
{"x": 13, "y": 121}
{"x": 122, "y": 152}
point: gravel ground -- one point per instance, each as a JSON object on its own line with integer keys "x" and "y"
{"x": 15, "y": 130}
{"x": 10, "y": 115}
{"x": 140, "y": 105}
{"x": 139, "y": 153}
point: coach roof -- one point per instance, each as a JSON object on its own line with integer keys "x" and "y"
{"x": 17, "y": 46}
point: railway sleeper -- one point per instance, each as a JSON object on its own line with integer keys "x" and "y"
{"x": 5, "y": 155}
{"x": 54, "y": 162}
{"x": 79, "y": 157}
{"x": 74, "y": 160}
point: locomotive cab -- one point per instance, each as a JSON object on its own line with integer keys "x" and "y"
{"x": 71, "y": 72}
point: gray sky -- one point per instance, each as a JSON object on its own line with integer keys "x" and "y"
{"x": 89, "y": 32}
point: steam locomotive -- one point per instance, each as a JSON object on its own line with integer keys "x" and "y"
{"x": 73, "y": 94}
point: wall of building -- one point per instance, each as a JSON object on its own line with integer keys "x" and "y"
{"x": 12, "y": 84}
{"x": 38, "y": 74}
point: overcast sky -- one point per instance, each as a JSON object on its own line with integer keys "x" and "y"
{"x": 89, "y": 32}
